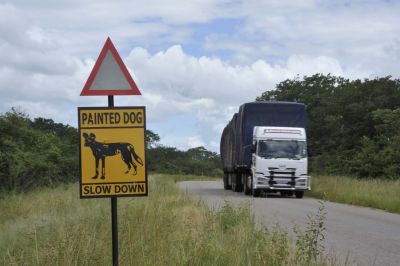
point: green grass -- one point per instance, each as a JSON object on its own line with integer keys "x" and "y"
{"x": 54, "y": 227}
{"x": 380, "y": 194}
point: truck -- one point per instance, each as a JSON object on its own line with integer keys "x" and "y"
{"x": 264, "y": 149}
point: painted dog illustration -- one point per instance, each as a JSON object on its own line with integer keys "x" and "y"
{"x": 101, "y": 150}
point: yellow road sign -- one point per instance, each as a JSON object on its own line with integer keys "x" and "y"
{"x": 112, "y": 151}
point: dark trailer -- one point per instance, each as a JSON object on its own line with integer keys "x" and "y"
{"x": 263, "y": 113}
{"x": 227, "y": 151}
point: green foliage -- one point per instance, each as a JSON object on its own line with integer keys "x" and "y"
{"x": 151, "y": 139}
{"x": 309, "y": 242}
{"x": 36, "y": 153}
{"x": 353, "y": 125}
{"x": 376, "y": 193}
{"x": 170, "y": 160}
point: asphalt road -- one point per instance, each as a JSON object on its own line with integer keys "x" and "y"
{"x": 362, "y": 236}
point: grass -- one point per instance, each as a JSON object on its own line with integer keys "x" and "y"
{"x": 380, "y": 194}
{"x": 54, "y": 227}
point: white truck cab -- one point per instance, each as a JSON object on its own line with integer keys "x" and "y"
{"x": 279, "y": 161}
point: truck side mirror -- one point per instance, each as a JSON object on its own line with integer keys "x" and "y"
{"x": 253, "y": 148}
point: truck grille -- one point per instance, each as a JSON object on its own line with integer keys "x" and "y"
{"x": 279, "y": 174}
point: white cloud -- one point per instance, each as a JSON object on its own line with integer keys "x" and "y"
{"x": 308, "y": 65}
{"x": 195, "y": 141}
{"x": 357, "y": 33}
{"x": 174, "y": 82}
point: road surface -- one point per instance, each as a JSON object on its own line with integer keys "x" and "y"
{"x": 363, "y": 235}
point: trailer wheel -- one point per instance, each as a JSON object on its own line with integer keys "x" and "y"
{"x": 235, "y": 182}
{"x": 299, "y": 194}
{"x": 238, "y": 183}
{"x": 226, "y": 185}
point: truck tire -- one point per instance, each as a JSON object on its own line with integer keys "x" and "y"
{"x": 246, "y": 184}
{"x": 299, "y": 194}
{"x": 256, "y": 193}
{"x": 235, "y": 187}
{"x": 237, "y": 180}
{"x": 226, "y": 184}
{"x": 240, "y": 187}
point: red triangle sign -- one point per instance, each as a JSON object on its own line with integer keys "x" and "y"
{"x": 109, "y": 75}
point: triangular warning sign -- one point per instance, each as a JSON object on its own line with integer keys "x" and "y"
{"x": 110, "y": 75}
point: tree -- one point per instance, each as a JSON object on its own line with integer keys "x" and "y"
{"x": 152, "y": 139}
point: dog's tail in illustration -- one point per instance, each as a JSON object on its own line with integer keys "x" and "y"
{"x": 135, "y": 156}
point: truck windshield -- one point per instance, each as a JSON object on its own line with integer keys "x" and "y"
{"x": 291, "y": 149}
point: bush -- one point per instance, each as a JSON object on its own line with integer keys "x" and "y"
{"x": 36, "y": 153}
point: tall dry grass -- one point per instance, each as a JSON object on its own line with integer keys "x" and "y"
{"x": 55, "y": 227}
{"x": 375, "y": 193}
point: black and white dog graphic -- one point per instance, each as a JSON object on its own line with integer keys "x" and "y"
{"x": 101, "y": 150}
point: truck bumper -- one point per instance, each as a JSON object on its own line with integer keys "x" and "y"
{"x": 300, "y": 183}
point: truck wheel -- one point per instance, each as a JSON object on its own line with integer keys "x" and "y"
{"x": 299, "y": 194}
{"x": 238, "y": 183}
{"x": 235, "y": 183}
{"x": 226, "y": 182}
{"x": 256, "y": 193}
{"x": 246, "y": 184}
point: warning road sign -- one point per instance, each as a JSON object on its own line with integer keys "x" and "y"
{"x": 110, "y": 75}
{"x": 112, "y": 151}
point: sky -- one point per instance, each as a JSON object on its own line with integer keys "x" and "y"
{"x": 194, "y": 61}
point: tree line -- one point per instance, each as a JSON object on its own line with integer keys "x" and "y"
{"x": 39, "y": 152}
{"x": 353, "y": 129}
{"x": 353, "y": 125}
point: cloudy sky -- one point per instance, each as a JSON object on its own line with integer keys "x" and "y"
{"x": 195, "y": 61}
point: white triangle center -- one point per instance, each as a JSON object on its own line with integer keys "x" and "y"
{"x": 110, "y": 76}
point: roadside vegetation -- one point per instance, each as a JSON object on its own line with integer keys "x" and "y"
{"x": 376, "y": 193}
{"x": 54, "y": 227}
{"x": 35, "y": 153}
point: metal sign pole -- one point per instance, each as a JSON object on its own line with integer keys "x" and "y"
{"x": 114, "y": 213}
{"x": 111, "y": 77}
